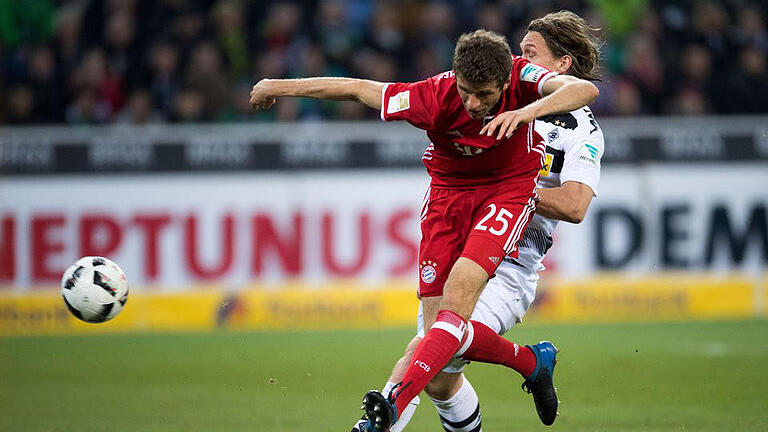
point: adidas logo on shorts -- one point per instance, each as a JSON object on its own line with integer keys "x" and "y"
{"x": 494, "y": 259}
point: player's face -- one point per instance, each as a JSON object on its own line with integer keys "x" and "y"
{"x": 535, "y": 50}
{"x": 478, "y": 99}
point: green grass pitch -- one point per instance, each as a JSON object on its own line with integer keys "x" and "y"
{"x": 693, "y": 376}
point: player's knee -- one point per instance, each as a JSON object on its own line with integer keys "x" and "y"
{"x": 458, "y": 307}
{"x": 463, "y": 287}
{"x": 458, "y": 300}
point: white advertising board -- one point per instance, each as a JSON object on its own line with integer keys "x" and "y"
{"x": 704, "y": 217}
{"x": 175, "y": 230}
{"x": 171, "y": 231}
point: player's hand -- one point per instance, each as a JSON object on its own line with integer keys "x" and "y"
{"x": 261, "y": 97}
{"x": 505, "y": 123}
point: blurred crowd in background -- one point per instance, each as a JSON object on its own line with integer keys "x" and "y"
{"x": 143, "y": 61}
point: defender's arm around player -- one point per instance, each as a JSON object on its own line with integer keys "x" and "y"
{"x": 479, "y": 170}
{"x": 561, "y": 42}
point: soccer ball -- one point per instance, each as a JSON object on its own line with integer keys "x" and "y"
{"x": 94, "y": 289}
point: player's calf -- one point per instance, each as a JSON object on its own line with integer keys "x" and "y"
{"x": 459, "y": 411}
{"x": 536, "y": 363}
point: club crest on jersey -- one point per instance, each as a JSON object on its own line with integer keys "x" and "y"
{"x": 428, "y": 271}
{"x": 399, "y": 102}
{"x": 467, "y": 150}
{"x": 553, "y": 135}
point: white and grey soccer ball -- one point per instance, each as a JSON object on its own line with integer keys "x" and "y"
{"x": 94, "y": 289}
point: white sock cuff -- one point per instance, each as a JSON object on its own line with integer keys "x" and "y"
{"x": 450, "y": 328}
{"x": 388, "y": 388}
{"x": 452, "y": 323}
{"x": 469, "y": 336}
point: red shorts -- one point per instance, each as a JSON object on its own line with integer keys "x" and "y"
{"x": 482, "y": 224}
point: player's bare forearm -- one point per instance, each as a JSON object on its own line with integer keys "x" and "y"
{"x": 563, "y": 93}
{"x": 265, "y": 93}
{"x": 568, "y": 202}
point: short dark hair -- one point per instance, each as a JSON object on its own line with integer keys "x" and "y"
{"x": 483, "y": 56}
{"x": 568, "y": 34}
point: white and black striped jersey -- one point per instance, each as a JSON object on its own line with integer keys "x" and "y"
{"x": 574, "y": 147}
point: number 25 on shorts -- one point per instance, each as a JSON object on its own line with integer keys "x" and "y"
{"x": 503, "y": 216}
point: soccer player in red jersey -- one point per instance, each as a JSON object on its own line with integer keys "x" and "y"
{"x": 565, "y": 43}
{"x": 484, "y": 158}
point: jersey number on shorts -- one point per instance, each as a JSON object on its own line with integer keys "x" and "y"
{"x": 502, "y": 216}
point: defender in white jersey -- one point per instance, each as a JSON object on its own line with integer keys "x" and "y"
{"x": 562, "y": 42}
{"x": 574, "y": 148}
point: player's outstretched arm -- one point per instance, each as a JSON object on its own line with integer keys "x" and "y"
{"x": 568, "y": 202}
{"x": 265, "y": 93}
{"x": 562, "y": 93}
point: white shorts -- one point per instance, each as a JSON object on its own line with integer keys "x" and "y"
{"x": 502, "y": 304}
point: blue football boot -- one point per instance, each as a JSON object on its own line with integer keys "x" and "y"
{"x": 540, "y": 384}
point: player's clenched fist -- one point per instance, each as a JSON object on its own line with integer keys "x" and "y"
{"x": 261, "y": 97}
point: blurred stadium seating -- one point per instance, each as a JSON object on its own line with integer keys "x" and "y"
{"x": 141, "y": 61}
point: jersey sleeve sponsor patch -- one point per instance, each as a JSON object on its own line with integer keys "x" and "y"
{"x": 399, "y": 102}
{"x": 589, "y": 153}
{"x": 532, "y": 73}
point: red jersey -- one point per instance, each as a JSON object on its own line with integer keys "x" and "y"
{"x": 458, "y": 156}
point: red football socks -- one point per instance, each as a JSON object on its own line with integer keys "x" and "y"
{"x": 489, "y": 347}
{"x": 434, "y": 351}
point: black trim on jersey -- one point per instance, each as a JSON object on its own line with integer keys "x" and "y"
{"x": 592, "y": 120}
{"x": 558, "y": 159}
{"x": 536, "y": 239}
{"x": 513, "y": 261}
{"x": 566, "y": 120}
